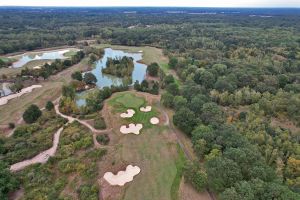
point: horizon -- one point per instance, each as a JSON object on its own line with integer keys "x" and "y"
{"x": 156, "y": 3}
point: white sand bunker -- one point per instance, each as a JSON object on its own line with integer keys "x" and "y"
{"x": 40, "y": 158}
{"x": 123, "y": 176}
{"x": 132, "y": 128}
{"x": 146, "y": 109}
{"x": 4, "y": 100}
{"x": 129, "y": 114}
{"x": 154, "y": 120}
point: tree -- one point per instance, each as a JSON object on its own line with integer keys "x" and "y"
{"x": 8, "y": 182}
{"x": 68, "y": 91}
{"x": 167, "y": 100}
{"x": 197, "y": 103}
{"x": 173, "y": 88}
{"x": 155, "y": 88}
{"x": 77, "y": 76}
{"x": 137, "y": 86}
{"x": 153, "y": 69}
{"x": 49, "y": 105}
{"x": 185, "y": 119}
{"x": 179, "y": 102}
{"x": 212, "y": 114}
{"x": 205, "y": 78}
{"x": 144, "y": 85}
{"x": 196, "y": 176}
{"x": 31, "y": 114}
{"x": 169, "y": 79}
{"x": 173, "y": 62}
{"x": 222, "y": 173}
{"x": 89, "y": 78}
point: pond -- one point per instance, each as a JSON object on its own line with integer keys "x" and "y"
{"x": 4, "y": 89}
{"x": 104, "y": 80}
{"x": 25, "y": 58}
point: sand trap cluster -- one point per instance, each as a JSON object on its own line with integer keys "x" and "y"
{"x": 122, "y": 177}
{"x": 132, "y": 128}
{"x": 146, "y": 109}
{"x": 40, "y": 158}
{"x": 128, "y": 114}
{"x": 154, "y": 120}
{"x": 4, "y": 100}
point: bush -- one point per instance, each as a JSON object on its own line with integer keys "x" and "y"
{"x": 49, "y": 106}
{"x": 31, "y": 114}
{"x": 11, "y": 125}
{"x": 153, "y": 69}
{"x": 195, "y": 176}
{"x": 103, "y": 139}
{"x": 99, "y": 123}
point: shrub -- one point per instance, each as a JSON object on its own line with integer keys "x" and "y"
{"x": 153, "y": 69}
{"x": 11, "y": 125}
{"x": 31, "y": 114}
{"x": 99, "y": 123}
{"x": 103, "y": 139}
{"x": 49, "y": 106}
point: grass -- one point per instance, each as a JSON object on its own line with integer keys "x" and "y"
{"x": 156, "y": 158}
{"x": 153, "y": 151}
{"x": 70, "y": 53}
{"x": 7, "y": 60}
{"x": 179, "y": 166}
{"x": 123, "y": 101}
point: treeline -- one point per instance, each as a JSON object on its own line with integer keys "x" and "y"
{"x": 234, "y": 165}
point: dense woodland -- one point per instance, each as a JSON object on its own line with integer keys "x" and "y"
{"x": 238, "y": 73}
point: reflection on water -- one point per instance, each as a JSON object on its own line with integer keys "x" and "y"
{"x": 43, "y": 56}
{"x": 104, "y": 80}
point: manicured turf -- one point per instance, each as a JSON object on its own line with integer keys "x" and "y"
{"x": 123, "y": 101}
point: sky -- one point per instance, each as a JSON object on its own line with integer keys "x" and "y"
{"x": 170, "y": 3}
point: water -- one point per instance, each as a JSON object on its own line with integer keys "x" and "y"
{"x": 42, "y": 56}
{"x": 5, "y": 90}
{"x": 103, "y": 80}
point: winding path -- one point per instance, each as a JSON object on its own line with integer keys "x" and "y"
{"x": 41, "y": 157}
{"x": 72, "y": 119}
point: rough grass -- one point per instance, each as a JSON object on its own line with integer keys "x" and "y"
{"x": 179, "y": 166}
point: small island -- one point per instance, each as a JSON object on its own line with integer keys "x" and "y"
{"x": 120, "y": 67}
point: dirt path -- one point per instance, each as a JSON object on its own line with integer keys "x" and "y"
{"x": 41, "y": 157}
{"x": 94, "y": 131}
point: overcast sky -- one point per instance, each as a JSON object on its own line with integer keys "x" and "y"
{"x": 184, "y": 3}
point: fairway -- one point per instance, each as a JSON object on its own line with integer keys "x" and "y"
{"x": 154, "y": 151}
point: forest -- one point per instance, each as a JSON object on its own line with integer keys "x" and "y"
{"x": 235, "y": 90}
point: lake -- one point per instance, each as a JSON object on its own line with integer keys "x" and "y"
{"x": 26, "y": 58}
{"x": 104, "y": 80}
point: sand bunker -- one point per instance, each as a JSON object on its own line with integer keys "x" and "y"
{"x": 129, "y": 114}
{"x": 154, "y": 120}
{"x": 146, "y": 109}
{"x": 123, "y": 176}
{"x": 4, "y": 100}
{"x": 132, "y": 128}
{"x": 40, "y": 158}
